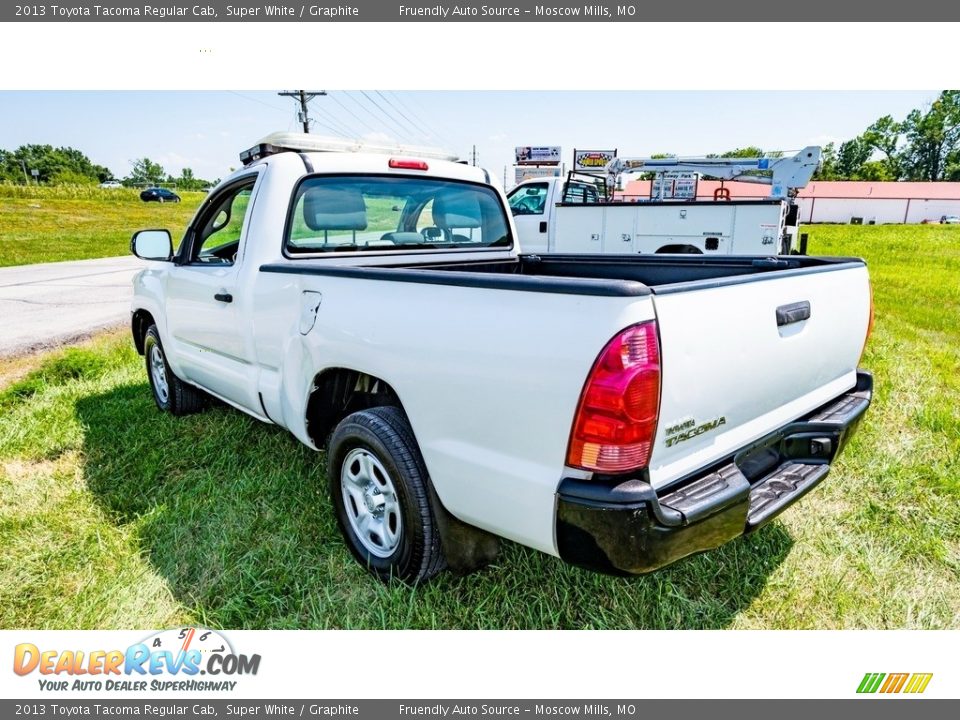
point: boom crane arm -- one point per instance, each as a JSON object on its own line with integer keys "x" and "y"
{"x": 786, "y": 174}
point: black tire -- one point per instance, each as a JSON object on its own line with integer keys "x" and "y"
{"x": 181, "y": 398}
{"x": 385, "y": 433}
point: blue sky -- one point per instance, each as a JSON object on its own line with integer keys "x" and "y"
{"x": 206, "y": 130}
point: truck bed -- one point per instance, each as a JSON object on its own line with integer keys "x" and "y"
{"x": 606, "y": 275}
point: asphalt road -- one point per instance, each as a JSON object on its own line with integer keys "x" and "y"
{"x": 43, "y": 306}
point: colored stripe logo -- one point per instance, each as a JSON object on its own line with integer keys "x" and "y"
{"x": 913, "y": 683}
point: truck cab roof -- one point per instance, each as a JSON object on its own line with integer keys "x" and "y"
{"x": 326, "y": 154}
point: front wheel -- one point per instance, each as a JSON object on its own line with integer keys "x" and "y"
{"x": 380, "y": 492}
{"x": 170, "y": 393}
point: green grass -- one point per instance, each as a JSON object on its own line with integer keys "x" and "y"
{"x": 113, "y": 515}
{"x": 50, "y": 224}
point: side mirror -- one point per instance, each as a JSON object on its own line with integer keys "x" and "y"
{"x": 152, "y": 245}
{"x": 432, "y": 233}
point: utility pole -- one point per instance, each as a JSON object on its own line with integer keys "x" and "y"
{"x": 473, "y": 156}
{"x": 304, "y": 96}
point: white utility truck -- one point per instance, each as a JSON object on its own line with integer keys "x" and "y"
{"x": 573, "y": 215}
{"x": 619, "y": 412}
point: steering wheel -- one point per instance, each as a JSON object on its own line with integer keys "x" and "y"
{"x": 529, "y": 205}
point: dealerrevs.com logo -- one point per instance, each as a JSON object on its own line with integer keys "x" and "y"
{"x": 182, "y": 659}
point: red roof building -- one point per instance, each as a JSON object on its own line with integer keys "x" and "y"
{"x": 841, "y": 201}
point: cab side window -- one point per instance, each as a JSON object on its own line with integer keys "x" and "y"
{"x": 217, "y": 238}
{"x": 529, "y": 200}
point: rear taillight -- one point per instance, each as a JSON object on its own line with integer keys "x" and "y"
{"x": 617, "y": 416}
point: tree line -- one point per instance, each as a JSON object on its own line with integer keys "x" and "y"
{"x": 925, "y": 145}
{"x": 49, "y": 165}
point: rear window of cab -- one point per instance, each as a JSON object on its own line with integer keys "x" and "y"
{"x": 340, "y": 213}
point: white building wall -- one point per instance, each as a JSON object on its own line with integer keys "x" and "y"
{"x": 840, "y": 210}
{"x": 931, "y": 210}
{"x": 880, "y": 211}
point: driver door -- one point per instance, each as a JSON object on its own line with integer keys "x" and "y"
{"x": 528, "y": 203}
{"x": 203, "y": 309}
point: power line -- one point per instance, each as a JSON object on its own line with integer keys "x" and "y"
{"x": 400, "y": 112}
{"x": 353, "y": 114}
{"x": 386, "y": 114}
{"x": 367, "y": 110}
{"x": 257, "y": 100}
{"x": 416, "y": 114}
{"x": 304, "y": 97}
{"x": 340, "y": 127}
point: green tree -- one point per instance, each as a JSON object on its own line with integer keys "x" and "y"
{"x": 745, "y": 152}
{"x": 884, "y": 137}
{"x": 852, "y": 156}
{"x": 827, "y": 170}
{"x": 53, "y": 165}
{"x": 953, "y": 167}
{"x": 189, "y": 181}
{"x": 932, "y": 138}
{"x": 145, "y": 171}
{"x": 876, "y": 170}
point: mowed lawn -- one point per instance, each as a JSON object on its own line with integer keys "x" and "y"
{"x": 113, "y": 515}
{"x": 50, "y": 224}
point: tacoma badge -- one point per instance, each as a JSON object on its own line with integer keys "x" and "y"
{"x": 688, "y": 428}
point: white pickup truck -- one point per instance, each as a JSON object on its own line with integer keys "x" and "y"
{"x": 569, "y": 215}
{"x": 618, "y": 412}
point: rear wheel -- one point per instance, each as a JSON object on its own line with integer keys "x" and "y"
{"x": 680, "y": 250}
{"x": 380, "y": 492}
{"x": 170, "y": 393}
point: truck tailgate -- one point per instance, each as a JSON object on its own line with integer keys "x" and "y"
{"x": 745, "y": 355}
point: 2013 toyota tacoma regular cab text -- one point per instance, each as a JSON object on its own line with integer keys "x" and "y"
{"x": 620, "y": 412}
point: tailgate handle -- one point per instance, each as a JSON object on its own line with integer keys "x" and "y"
{"x": 794, "y": 312}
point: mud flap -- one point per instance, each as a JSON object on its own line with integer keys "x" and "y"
{"x": 466, "y": 548}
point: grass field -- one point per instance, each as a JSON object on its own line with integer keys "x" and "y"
{"x": 115, "y": 516}
{"x": 49, "y": 224}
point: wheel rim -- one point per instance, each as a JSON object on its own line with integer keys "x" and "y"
{"x": 158, "y": 371}
{"x": 371, "y": 503}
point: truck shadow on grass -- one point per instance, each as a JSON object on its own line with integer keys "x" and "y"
{"x": 235, "y": 516}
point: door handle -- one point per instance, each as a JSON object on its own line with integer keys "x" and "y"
{"x": 223, "y": 297}
{"x": 543, "y": 226}
{"x": 795, "y": 312}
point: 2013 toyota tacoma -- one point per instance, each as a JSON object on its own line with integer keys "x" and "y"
{"x": 620, "y": 412}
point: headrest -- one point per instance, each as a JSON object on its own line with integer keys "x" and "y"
{"x": 334, "y": 208}
{"x": 457, "y": 209}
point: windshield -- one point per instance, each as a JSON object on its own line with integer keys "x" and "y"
{"x": 385, "y": 213}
